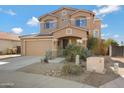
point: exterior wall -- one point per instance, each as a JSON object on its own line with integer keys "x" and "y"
{"x": 4, "y": 44}
{"x": 88, "y": 16}
{"x": 36, "y": 47}
{"x": 97, "y": 27}
{"x": 61, "y": 23}
{"x": 75, "y": 33}
{"x": 70, "y": 17}
{"x": 42, "y": 21}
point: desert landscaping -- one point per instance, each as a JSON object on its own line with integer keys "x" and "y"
{"x": 90, "y": 78}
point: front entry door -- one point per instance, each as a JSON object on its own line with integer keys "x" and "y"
{"x": 65, "y": 43}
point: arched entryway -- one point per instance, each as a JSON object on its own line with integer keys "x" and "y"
{"x": 63, "y": 42}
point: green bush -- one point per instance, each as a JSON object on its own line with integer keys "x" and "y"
{"x": 85, "y": 53}
{"x": 94, "y": 46}
{"x": 48, "y": 54}
{"x": 72, "y": 50}
{"x": 71, "y": 69}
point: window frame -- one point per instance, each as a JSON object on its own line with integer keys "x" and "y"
{"x": 82, "y": 22}
{"x": 64, "y": 12}
{"x": 50, "y": 24}
{"x": 95, "y": 33}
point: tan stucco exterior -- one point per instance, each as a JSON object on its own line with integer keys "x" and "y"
{"x": 65, "y": 28}
{"x": 6, "y": 44}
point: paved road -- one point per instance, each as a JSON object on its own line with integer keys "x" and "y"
{"x": 18, "y": 62}
{"x": 26, "y": 80}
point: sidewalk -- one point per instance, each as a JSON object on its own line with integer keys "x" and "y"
{"x": 8, "y": 56}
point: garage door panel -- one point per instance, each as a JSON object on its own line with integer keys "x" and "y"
{"x": 37, "y": 48}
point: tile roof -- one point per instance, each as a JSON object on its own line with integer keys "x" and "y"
{"x": 8, "y": 36}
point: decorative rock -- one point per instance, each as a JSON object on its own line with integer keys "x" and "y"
{"x": 116, "y": 67}
{"x": 95, "y": 64}
{"x": 77, "y": 60}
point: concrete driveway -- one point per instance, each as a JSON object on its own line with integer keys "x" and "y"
{"x": 9, "y": 77}
{"x": 18, "y": 62}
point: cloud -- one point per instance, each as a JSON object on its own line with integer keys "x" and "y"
{"x": 116, "y": 36}
{"x": 17, "y": 30}
{"x": 34, "y": 33}
{"x": 33, "y": 21}
{"x": 104, "y": 25}
{"x": 104, "y": 10}
{"x": 102, "y": 35}
{"x": 99, "y": 6}
{"x": 9, "y": 12}
{"x": 105, "y": 35}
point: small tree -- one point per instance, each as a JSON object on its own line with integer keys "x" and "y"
{"x": 107, "y": 43}
{"x": 110, "y": 41}
{"x": 93, "y": 45}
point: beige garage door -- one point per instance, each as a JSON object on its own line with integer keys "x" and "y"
{"x": 38, "y": 47}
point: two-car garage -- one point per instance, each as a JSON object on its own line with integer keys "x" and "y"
{"x": 36, "y": 47}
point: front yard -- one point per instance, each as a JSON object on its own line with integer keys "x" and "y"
{"x": 90, "y": 78}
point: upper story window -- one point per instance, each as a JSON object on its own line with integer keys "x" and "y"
{"x": 64, "y": 12}
{"x": 95, "y": 34}
{"x": 81, "y": 22}
{"x": 50, "y": 24}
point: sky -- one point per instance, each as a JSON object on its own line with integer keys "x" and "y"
{"x": 23, "y": 19}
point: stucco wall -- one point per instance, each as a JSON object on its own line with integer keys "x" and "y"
{"x": 4, "y": 44}
{"x": 75, "y": 33}
{"x": 42, "y": 21}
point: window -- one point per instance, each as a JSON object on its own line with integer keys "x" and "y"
{"x": 64, "y": 12}
{"x": 82, "y": 22}
{"x": 95, "y": 34}
{"x": 64, "y": 19}
{"x": 50, "y": 24}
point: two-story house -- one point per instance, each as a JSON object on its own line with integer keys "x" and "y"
{"x": 60, "y": 28}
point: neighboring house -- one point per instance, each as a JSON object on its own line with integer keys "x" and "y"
{"x": 60, "y": 28}
{"x": 8, "y": 41}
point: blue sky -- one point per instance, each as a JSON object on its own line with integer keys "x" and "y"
{"x": 23, "y": 19}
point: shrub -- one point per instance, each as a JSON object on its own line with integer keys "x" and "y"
{"x": 94, "y": 46}
{"x": 71, "y": 69}
{"x": 60, "y": 52}
{"x": 85, "y": 53}
{"x": 48, "y": 54}
{"x": 72, "y": 50}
